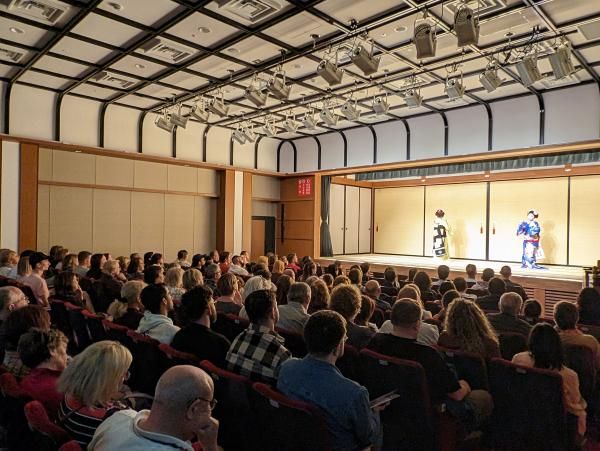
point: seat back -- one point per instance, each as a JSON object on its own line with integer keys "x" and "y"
{"x": 148, "y": 363}
{"x": 46, "y": 435}
{"x": 71, "y": 445}
{"x": 60, "y": 317}
{"x": 174, "y": 357}
{"x": 378, "y": 316}
{"x": 478, "y": 293}
{"x": 12, "y": 414}
{"x": 349, "y": 363}
{"x": 594, "y": 331}
{"x": 81, "y": 334}
{"x": 511, "y": 343}
{"x": 529, "y": 412}
{"x": 293, "y": 342}
{"x": 408, "y": 422}
{"x": 390, "y": 291}
{"x": 116, "y": 332}
{"x": 229, "y": 325}
{"x": 468, "y": 366}
{"x": 581, "y": 360}
{"x": 94, "y": 325}
{"x": 286, "y": 424}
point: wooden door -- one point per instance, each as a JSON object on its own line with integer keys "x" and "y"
{"x": 364, "y": 221}
{"x": 257, "y": 242}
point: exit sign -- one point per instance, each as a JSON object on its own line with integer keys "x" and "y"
{"x": 304, "y": 187}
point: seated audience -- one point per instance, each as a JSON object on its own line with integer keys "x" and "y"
{"x": 224, "y": 262}
{"x": 445, "y": 287}
{"x": 258, "y": 352}
{"x": 154, "y": 275}
{"x": 428, "y": 334}
{"x": 546, "y": 352}
{"x": 237, "y": 267}
{"x": 39, "y": 264}
{"x": 315, "y": 379}
{"x": 486, "y": 276}
{"x": 390, "y": 278}
{"x": 192, "y": 278}
{"x": 508, "y": 320}
{"x": 294, "y": 314}
{"x": 66, "y": 288}
{"x": 284, "y": 282}
{"x": 130, "y": 312}
{"x": 157, "y": 305}
{"x": 588, "y": 303}
{"x": 355, "y": 275}
{"x": 23, "y": 268}
{"x": 157, "y": 259}
{"x": 108, "y": 287}
{"x": 496, "y": 288}
{"x": 174, "y": 283}
{"x": 470, "y": 406}
{"x": 345, "y": 299}
{"x": 198, "y": 311}
{"x": 328, "y": 279}
{"x": 448, "y": 298}
{"x": 423, "y": 281}
{"x": 19, "y": 322}
{"x": 443, "y": 272}
{"x": 69, "y": 263}
{"x": 96, "y": 263}
{"x": 83, "y": 263}
{"x": 290, "y": 273}
{"x": 367, "y": 307}
{"x": 511, "y": 286}
{"x": 45, "y": 353}
{"x": 373, "y": 290}
{"x": 320, "y": 295}
{"x": 212, "y": 273}
{"x": 566, "y": 317}
{"x": 198, "y": 261}
{"x": 292, "y": 263}
{"x": 182, "y": 259}
{"x": 460, "y": 285}
{"x": 467, "y": 328}
{"x": 230, "y": 300}
{"x": 532, "y": 310}
{"x": 341, "y": 280}
{"x": 471, "y": 271}
{"x": 8, "y": 262}
{"x": 11, "y": 299}
{"x": 309, "y": 270}
{"x": 412, "y": 272}
{"x": 181, "y": 412}
{"x": 91, "y": 383}
{"x": 365, "y": 268}
{"x": 277, "y": 271}
{"x": 135, "y": 269}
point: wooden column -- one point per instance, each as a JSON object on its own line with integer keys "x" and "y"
{"x": 28, "y": 196}
{"x": 225, "y": 210}
{"x": 247, "y": 213}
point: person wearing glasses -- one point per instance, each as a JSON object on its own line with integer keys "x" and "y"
{"x": 181, "y": 412}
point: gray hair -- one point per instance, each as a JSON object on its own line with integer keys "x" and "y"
{"x": 510, "y": 303}
{"x": 299, "y": 292}
{"x": 8, "y": 295}
{"x": 257, "y": 283}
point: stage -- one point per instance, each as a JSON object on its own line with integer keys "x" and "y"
{"x": 548, "y": 286}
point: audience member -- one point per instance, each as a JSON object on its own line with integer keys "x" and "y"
{"x": 23, "y": 268}
{"x": 511, "y": 286}
{"x": 135, "y": 269}
{"x": 11, "y": 299}
{"x": 341, "y": 280}
{"x": 56, "y": 262}
{"x": 320, "y": 295}
{"x": 546, "y": 352}
{"x": 284, "y": 282}
{"x": 154, "y": 275}
{"x": 258, "y": 352}
{"x": 45, "y": 353}
{"x": 96, "y": 263}
{"x": 212, "y": 273}
{"x": 507, "y": 320}
{"x": 467, "y": 328}
{"x": 199, "y": 312}
{"x": 230, "y": 300}
{"x": 588, "y": 303}
{"x": 471, "y": 271}
{"x": 292, "y": 262}
{"x": 8, "y": 262}
{"x": 412, "y": 272}
{"x": 445, "y": 287}
{"x": 365, "y": 268}
{"x": 90, "y": 384}
{"x": 486, "y": 276}
{"x": 39, "y": 264}
{"x": 355, "y": 275}
{"x": 566, "y": 317}
{"x": 123, "y": 265}
{"x": 182, "y": 259}
{"x": 157, "y": 259}
{"x": 496, "y": 288}
{"x": 373, "y": 290}
{"x": 294, "y": 314}
{"x": 308, "y": 270}
{"x": 224, "y": 262}
{"x": 328, "y": 279}
{"x": 428, "y": 333}
{"x": 367, "y": 308}
{"x": 423, "y": 281}
{"x": 345, "y": 299}
{"x": 66, "y": 288}
{"x": 192, "y": 278}
{"x": 290, "y": 273}
{"x": 278, "y": 268}
{"x": 130, "y": 312}
{"x": 532, "y": 310}
{"x": 460, "y": 285}
{"x": 448, "y": 298}
{"x": 390, "y": 278}
{"x": 108, "y": 287}
{"x": 174, "y": 283}
{"x": 237, "y": 267}
{"x": 443, "y": 272}
{"x": 315, "y": 379}
{"x": 157, "y": 305}
{"x": 84, "y": 259}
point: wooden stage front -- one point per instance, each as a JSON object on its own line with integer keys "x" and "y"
{"x": 548, "y": 286}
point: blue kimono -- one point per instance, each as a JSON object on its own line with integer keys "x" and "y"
{"x": 531, "y": 242}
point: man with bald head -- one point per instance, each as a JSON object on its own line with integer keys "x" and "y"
{"x": 11, "y": 299}
{"x": 373, "y": 290}
{"x": 180, "y": 413}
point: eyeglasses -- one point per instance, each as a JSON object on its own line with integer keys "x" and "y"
{"x": 211, "y": 402}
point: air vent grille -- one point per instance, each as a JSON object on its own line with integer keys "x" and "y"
{"x": 167, "y": 50}
{"x": 250, "y": 10}
{"x": 14, "y": 56}
{"x": 111, "y": 79}
{"x": 553, "y": 297}
{"x": 45, "y": 10}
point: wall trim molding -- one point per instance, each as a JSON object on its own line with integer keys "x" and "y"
{"x": 125, "y": 188}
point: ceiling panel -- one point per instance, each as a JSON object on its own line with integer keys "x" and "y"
{"x": 68, "y": 46}
{"x": 138, "y": 67}
{"x": 142, "y": 11}
{"x": 395, "y": 33}
{"x": 253, "y": 50}
{"x": 298, "y": 30}
{"x": 592, "y": 54}
{"x": 298, "y": 92}
{"x": 7, "y": 71}
{"x": 203, "y": 30}
{"x": 216, "y": 67}
{"x": 106, "y": 30}
{"x": 47, "y": 81}
{"x": 162, "y": 92}
{"x": 95, "y": 91}
{"x": 566, "y": 10}
{"x": 247, "y": 16}
{"x": 406, "y": 112}
{"x": 140, "y": 102}
{"x": 21, "y": 33}
{"x": 507, "y": 89}
{"x": 14, "y": 54}
{"x": 60, "y": 66}
{"x": 185, "y": 80}
{"x": 300, "y": 67}
{"x": 344, "y": 11}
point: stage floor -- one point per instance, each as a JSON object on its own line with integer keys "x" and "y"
{"x": 562, "y": 273}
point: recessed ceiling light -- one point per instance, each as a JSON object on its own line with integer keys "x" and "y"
{"x": 400, "y": 29}
{"x": 233, "y": 50}
{"x": 298, "y": 66}
{"x": 204, "y": 30}
{"x": 383, "y": 35}
{"x": 140, "y": 66}
{"x": 16, "y": 30}
{"x": 78, "y": 151}
{"x": 116, "y": 6}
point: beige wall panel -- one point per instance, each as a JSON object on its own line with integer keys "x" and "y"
{"x": 114, "y": 171}
{"x": 112, "y": 222}
{"x": 352, "y": 211}
{"x": 45, "y": 164}
{"x": 73, "y": 167}
{"x": 205, "y": 221}
{"x": 208, "y": 181}
{"x": 265, "y": 187}
{"x": 399, "y": 220}
{"x": 71, "y": 217}
{"x": 364, "y": 221}
{"x": 147, "y": 222}
{"x": 261, "y": 208}
{"x": 584, "y": 246}
{"x": 43, "y": 218}
{"x": 336, "y": 218}
{"x": 179, "y": 224}
{"x": 150, "y": 175}
{"x": 182, "y": 178}
{"x": 509, "y": 203}
{"x": 465, "y": 208}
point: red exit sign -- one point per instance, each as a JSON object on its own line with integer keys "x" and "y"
{"x": 304, "y": 187}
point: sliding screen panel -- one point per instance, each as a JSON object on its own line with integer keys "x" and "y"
{"x": 71, "y": 217}
{"x": 398, "y": 214}
{"x": 112, "y": 222}
{"x": 584, "y": 234}
{"x": 179, "y": 224}
{"x": 43, "y": 218}
{"x": 364, "y": 221}
{"x": 465, "y": 208}
{"x": 351, "y": 214}
{"x": 336, "y": 218}
{"x": 147, "y": 222}
{"x": 509, "y": 203}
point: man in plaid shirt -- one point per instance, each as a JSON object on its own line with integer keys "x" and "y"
{"x": 258, "y": 352}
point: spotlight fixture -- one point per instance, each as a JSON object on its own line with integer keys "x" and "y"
{"x": 249, "y": 134}
{"x": 164, "y": 122}
{"x": 528, "y": 70}
{"x": 308, "y": 120}
{"x": 330, "y": 72}
{"x": 424, "y": 37}
{"x": 350, "y": 110}
{"x": 290, "y": 124}
{"x": 568, "y": 167}
{"x": 277, "y": 86}
{"x": 256, "y": 94}
{"x": 178, "y": 119}
{"x": 489, "y": 78}
{"x": 269, "y": 128}
{"x": 239, "y": 136}
{"x": 412, "y": 97}
{"x": 561, "y": 63}
{"x": 466, "y": 26}
{"x": 380, "y": 104}
{"x": 454, "y": 88}
{"x": 218, "y": 106}
{"x": 327, "y": 115}
{"x": 364, "y": 59}
{"x": 199, "y": 111}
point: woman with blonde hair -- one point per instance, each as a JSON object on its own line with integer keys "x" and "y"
{"x": 191, "y": 279}
{"x": 319, "y": 298}
{"x": 8, "y": 261}
{"x": 128, "y": 311}
{"x": 467, "y": 328}
{"x": 23, "y": 267}
{"x": 278, "y": 268}
{"x": 174, "y": 283}
{"x": 91, "y": 383}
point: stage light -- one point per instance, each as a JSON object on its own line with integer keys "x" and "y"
{"x": 256, "y": 95}
{"x": 412, "y": 98}
{"x": 218, "y": 107}
{"x": 423, "y": 179}
{"x": 380, "y": 104}
{"x": 330, "y": 72}
{"x": 425, "y": 38}
{"x": 308, "y": 120}
{"x": 199, "y": 111}
{"x": 486, "y": 174}
{"x": 238, "y": 135}
{"x": 249, "y": 134}
{"x": 489, "y": 78}
{"x": 561, "y": 63}
{"x": 178, "y": 119}
{"x": 290, "y": 124}
{"x": 528, "y": 70}
{"x": 350, "y": 111}
{"x": 269, "y": 129}
{"x": 277, "y": 86}
{"x": 328, "y": 116}
{"x": 454, "y": 88}
{"x": 466, "y": 26}
{"x": 568, "y": 167}
{"x": 364, "y": 59}
{"x": 164, "y": 122}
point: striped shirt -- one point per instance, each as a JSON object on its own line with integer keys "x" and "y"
{"x": 257, "y": 353}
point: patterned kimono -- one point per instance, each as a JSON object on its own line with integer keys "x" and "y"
{"x": 531, "y": 242}
{"x": 441, "y": 230}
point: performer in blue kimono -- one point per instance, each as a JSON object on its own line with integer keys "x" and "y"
{"x": 441, "y": 231}
{"x": 530, "y": 231}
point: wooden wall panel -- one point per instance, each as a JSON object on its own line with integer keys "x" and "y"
{"x": 265, "y": 187}
{"x": 205, "y": 212}
{"x": 73, "y": 167}
{"x": 179, "y": 225}
{"x": 584, "y": 234}
{"x": 295, "y": 230}
{"x": 45, "y": 164}
{"x": 43, "y": 218}
{"x": 28, "y": 196}
{"x": 364, "y": 223}
{"x": 181, "y": 178}
{"x": 147, "y": 222}
{"x": 71, "y": 216}
{"x": 300, "y": 247}
{"x": 336, "y": 217}
{"x": 247, "y": 212}
{"x": 225, "y": 210}
{"x": 114, "y": 172}
{"x": 208, "y": 181}
{"x": 300, "y": 210}
{"x": 112, "y": 222}
{"x": 150, "y": 175}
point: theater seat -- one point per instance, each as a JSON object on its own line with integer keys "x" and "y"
{"x": 174, "y": 357}
{"x": 71, "y": 445}
{"x": 45, "y": 434}
{"x": 230, "y": 325}
{"x": 293, "y": 342}
{"x": 349, "y": 363}
{"x": 148, "y": 363}
{"x": 511, "y": 343}
{"x": 468, "y": 366}
{"x": 95, "y": 327}
{"x": 81, "y": 334}
{"x": 12, "y": 414}
{"x": 116, "y": 332}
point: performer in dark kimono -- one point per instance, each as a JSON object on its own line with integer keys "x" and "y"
{"x": 441, "y": 231}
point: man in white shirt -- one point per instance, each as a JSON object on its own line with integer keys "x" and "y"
{"x": 237, "y": 267}
{"x": 156, "y": 322}
{"x": 294, "y": 314}
{"x": 181, "y": 410}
